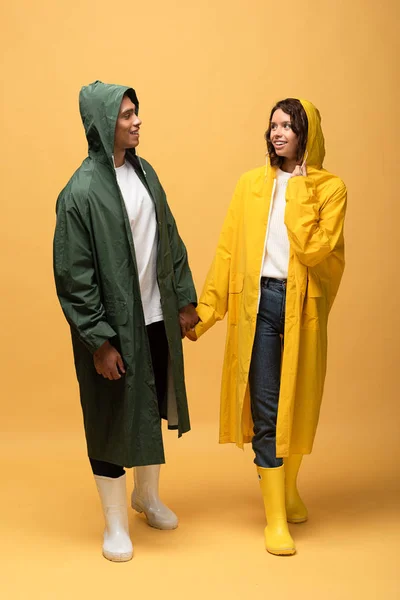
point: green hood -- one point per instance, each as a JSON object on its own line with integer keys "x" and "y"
{"x": 99, "y": 105}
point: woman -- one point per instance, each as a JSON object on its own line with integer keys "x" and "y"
{"x": 276, "y": 271}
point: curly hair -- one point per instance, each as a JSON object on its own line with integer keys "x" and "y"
{"x": 299, "y": 122}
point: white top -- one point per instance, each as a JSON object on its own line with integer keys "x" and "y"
{"x": 276, "y": 259}
{"x": 142, "y": 218}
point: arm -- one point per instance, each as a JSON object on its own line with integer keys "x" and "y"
{"x": 75, "y": 279}
{"x": 213, "y": 303}
{"x": 313, "y": 233}
{"x": 185, "y": 289}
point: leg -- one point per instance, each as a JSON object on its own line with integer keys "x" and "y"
{"x": 145, "y": 497}
{"x": 117, "y": 545}
{"x": 265, "y": 373}
{"x": 295, "y": 508}
{"x": 111, "y": 485}
{"x": 159, "y": 357}
{"x": 277, "y": 537}
{"x": 105, "y": 469}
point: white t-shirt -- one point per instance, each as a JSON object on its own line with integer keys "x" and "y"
{"x": 142, "y": 218}
{"x": 276, "y": 259}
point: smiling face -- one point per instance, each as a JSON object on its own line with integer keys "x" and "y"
{"x": 283, "y": 138}
{"x": 127, "y": 126}
{"x": 287, "y": 134}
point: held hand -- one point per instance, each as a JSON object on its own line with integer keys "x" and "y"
{"x": 191, "y": 335}
{"x": 108, "y": 362}
{"x": 188, "y": 318}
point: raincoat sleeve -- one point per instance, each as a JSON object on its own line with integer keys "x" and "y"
{"x": 313, "y": 231}
{"x": 75, "y": 279}
{"x": 213, "y": 303}
{"x": 185, "y": 289}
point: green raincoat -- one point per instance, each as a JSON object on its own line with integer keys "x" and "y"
{"x": 98, "y": 288}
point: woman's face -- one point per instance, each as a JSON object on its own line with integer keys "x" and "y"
{"x": 282, "y": 137}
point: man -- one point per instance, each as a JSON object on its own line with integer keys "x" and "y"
{"x": 124, "y": 284}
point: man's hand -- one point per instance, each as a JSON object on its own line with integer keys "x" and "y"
{"x": 108, "y": 362}
{"x": 188, "y": 318}
{"x": 191, "y": 335}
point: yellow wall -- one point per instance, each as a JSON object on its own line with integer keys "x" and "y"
{"x": 206, "y": 74}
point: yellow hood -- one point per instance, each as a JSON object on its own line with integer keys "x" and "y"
{"x": 315, "y": 141}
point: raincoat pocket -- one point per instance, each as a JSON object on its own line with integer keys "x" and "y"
{"x": 236, "y": 283}
{"x": 117, "y": 312}
{"x": 309, "y": 317}
{"x": 234, "y": 297}
{"x": 312, "y": 302}
{"x": 314, "y": 289}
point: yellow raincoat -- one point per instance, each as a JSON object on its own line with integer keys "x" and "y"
{"x": 314, "y": 217}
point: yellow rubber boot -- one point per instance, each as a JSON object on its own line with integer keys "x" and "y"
{"x": 296, "y": 510}
{"x": 277, "y": 537}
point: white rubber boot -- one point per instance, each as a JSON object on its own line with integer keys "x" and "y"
{"x": 145, "y": 498}
{"x": 117, "y": 544}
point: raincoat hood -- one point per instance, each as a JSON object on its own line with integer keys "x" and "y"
{"x": 315, "y": 143}
{"x": 99, "y": 105}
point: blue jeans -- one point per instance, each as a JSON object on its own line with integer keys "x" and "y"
{"x": 265, "y": 371}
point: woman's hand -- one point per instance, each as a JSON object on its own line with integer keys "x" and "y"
{"x": 191, "y": 335}
{"x": 300, "y": 170}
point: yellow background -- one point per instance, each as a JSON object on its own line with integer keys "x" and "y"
{"x": 206, "y": 74}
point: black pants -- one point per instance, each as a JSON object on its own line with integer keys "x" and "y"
{"x": 159, "y": 357}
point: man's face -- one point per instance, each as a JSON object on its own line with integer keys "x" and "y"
{"x": 127, "y": 126}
